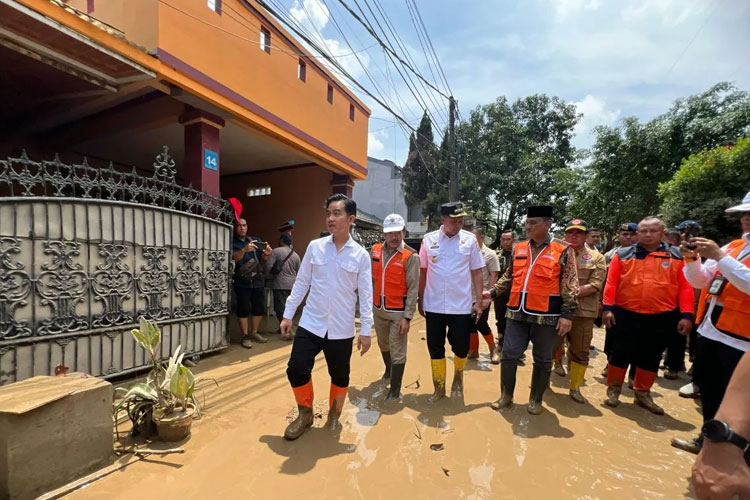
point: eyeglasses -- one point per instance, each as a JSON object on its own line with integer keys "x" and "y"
{"x": 649, "y": 231}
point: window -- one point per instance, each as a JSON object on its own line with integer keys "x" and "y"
{"x": 302, "y": 71}
{"x": 351, "y": 112}
{"x": 214, "y": 5}
{"x": 330, "y": 93}
{"x": 265, "y": 39}
{"x": 259, "y": 191}
{"x": 89, "y": 6}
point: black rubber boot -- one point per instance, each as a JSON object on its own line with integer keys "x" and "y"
{"x": 539, "y": 383}
{"x": 507, "y": 386}
{"x": 397, "y": 375}
{"x": 300, "y": 424}
{"x": 387, "y": 361}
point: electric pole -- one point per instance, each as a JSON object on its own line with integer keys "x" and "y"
{"x": 453, "y": 185}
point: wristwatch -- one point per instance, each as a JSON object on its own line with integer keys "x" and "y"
{"x": 718, "y": 431}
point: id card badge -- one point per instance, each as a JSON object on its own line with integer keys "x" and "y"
{"x": 717, "y": 285}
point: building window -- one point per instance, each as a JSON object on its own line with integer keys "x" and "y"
{"x": 351, "y": 112}
{"x": 265, "y": 39}
{"x": 302, "y": 71}
{"x": 330, "y": 93}
{"x": 89, "y": 6}
{"x": 214, "y": 5}
{"x": 259, "y": 191}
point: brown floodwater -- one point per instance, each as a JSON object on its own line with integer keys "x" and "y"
{"x": 412, "y": 449}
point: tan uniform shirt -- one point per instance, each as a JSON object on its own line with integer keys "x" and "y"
{"x": 592, "y": 268}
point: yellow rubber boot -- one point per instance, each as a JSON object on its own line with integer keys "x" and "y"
{"x": 457, "y": 389}
{"x": 577, "y": 372}
{"x": 438, "y": 379}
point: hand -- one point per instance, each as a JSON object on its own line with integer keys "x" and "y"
{"x": 286, "y": 327}
{"x": 708, "y": 248}
{"x": 720, "y": 472}
{"x": 250, "y": 247}
{"x": 477, "y": 310}
{"x": 609, "y": 319}
{"x": 684, "y": 326}
{"x": 687, "y": 252}
{"x": 420, "y": 307}
{"x": 363, "y": 344}
{"x": 403, "y": 326}
{"x": 563, "y": 326}
{"x": 486, "y": 299}
{"x": 267, "y": 251}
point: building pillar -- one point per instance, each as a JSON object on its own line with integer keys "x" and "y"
{"x": 343, "y": 184}
{"x": 202, "y": 150}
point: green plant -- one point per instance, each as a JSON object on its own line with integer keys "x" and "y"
{"x": 168, "y": 387}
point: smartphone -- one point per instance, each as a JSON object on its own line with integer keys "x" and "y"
{"x": 691, "y": 231}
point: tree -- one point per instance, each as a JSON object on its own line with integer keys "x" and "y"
{"x": 423, "y": 175}
{"x": 707, "y": 183}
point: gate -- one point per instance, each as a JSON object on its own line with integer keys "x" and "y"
{"x": 85, "y": 251}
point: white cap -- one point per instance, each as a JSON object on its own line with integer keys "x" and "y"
{"x": 742, "y": 207}
{"x": 393, "y": 223}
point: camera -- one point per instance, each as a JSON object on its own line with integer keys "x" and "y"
{"x": 691, "y": 231}
{"x": 261, "y": 245}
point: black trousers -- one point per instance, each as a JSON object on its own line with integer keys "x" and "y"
{"x": 640, "y": 339}
{"x": 676, "y": 344}
{"x": 482, "y": 326}
{"x": 306, "y": 346}
{"x": 501, "y": 306}
{"x": 718, "y": 362}
{"x": 458, "y": 325}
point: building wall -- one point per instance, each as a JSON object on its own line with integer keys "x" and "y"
{"x": 137, "y": 19}
{"x": 380, "y": 194}
{"x": 296, "y": 193}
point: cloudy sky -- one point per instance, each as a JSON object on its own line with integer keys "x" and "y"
{"x": 611, "y": 58}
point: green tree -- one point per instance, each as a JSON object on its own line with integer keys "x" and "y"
{"x": 423, "y": 176}
{"x": 707, "y": 183}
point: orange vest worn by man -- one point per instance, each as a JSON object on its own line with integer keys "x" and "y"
{"x": 395, "y": 278}
{"x": 644, "y": 288}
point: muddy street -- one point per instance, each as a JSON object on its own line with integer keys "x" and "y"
{"x": 412, "y": 449}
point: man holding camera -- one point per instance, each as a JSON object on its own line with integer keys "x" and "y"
{"x": 250, "y": 255}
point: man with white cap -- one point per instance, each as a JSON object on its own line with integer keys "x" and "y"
{"x": 723, "y": 312}
{"x": 395, "y": 278}
{"x": 724, "y": 315}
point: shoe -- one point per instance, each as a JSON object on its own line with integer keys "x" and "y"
{"x": 247, "y": 342}
{"x": 644, "y": 400}
{"x": 438, "y": 380}
{"x": 507, "y": 386}
{"x": 473, "y": 355}
{"x": 397, "y": 375}
{"x": 690, "y": 445}
{"x": 690, "y": 391}
{"x": 575, "y": 395}
{"x": 670, "y": 375}
{"x": 558, "y": 369}
{"x": 495, "y": 360}
{"x": 613, "y": 395}
{"x": 300, "y": 424}
{"x": 539, "y": 383}
{"x": 522, "y": 360}
{"x": 387, "y": 361}
{"x": 258, "y": 337}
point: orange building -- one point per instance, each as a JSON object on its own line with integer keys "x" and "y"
{"x": 246, "y": 110}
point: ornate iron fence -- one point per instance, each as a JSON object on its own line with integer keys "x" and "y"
{"x": 85, "y": 251}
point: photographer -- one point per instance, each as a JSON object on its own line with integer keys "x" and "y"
{"x": 250, "y": 256}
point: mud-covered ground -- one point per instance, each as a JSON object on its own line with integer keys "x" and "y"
{"x": 412, "y": 449}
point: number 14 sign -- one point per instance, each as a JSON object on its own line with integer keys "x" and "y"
{"x": 210, "y": 159}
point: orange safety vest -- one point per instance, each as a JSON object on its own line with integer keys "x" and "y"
{"x": 649, "y": 284}
{"x": 731, "y": 313}
{"x": 391, "y": 281}
{"x": 538, "y": 282}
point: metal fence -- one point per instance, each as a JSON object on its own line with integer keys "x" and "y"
{"x": 85, "y": 251}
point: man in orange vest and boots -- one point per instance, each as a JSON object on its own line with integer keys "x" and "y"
{"x": 395, "y": 276}
{"x": 543, "y": 287}
{"x": 724, "y": 307}
{"x": 591, "y": 268}
{"x": 450, "y": 266}
{"x": 645, "y": 285}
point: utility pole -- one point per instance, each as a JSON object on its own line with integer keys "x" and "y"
{"x": 453, "y": 185}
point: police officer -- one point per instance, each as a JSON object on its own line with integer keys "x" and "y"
{"x": 451, "y": 264}
{"x": 543, "y": 287}
{"x": 395, "y": 276}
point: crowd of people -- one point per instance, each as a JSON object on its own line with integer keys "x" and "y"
{"x": 654, "y": 292}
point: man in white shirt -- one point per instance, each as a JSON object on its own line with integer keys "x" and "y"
{"x": 334, "y": 270}
{"x": 723, "y": 312}
{"x": 451, "y": 264}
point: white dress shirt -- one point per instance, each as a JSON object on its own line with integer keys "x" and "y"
{"x": 700, "y": 276}
{"x": 333, "y": 279}
{"x": 449, "y": 262}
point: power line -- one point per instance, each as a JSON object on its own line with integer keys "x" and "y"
{"x": 694, "y": 37}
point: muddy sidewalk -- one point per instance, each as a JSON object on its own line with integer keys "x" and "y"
{"x": 412, "y": 449}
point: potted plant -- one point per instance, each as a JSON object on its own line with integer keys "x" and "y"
{"x": 167, "y": 397}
